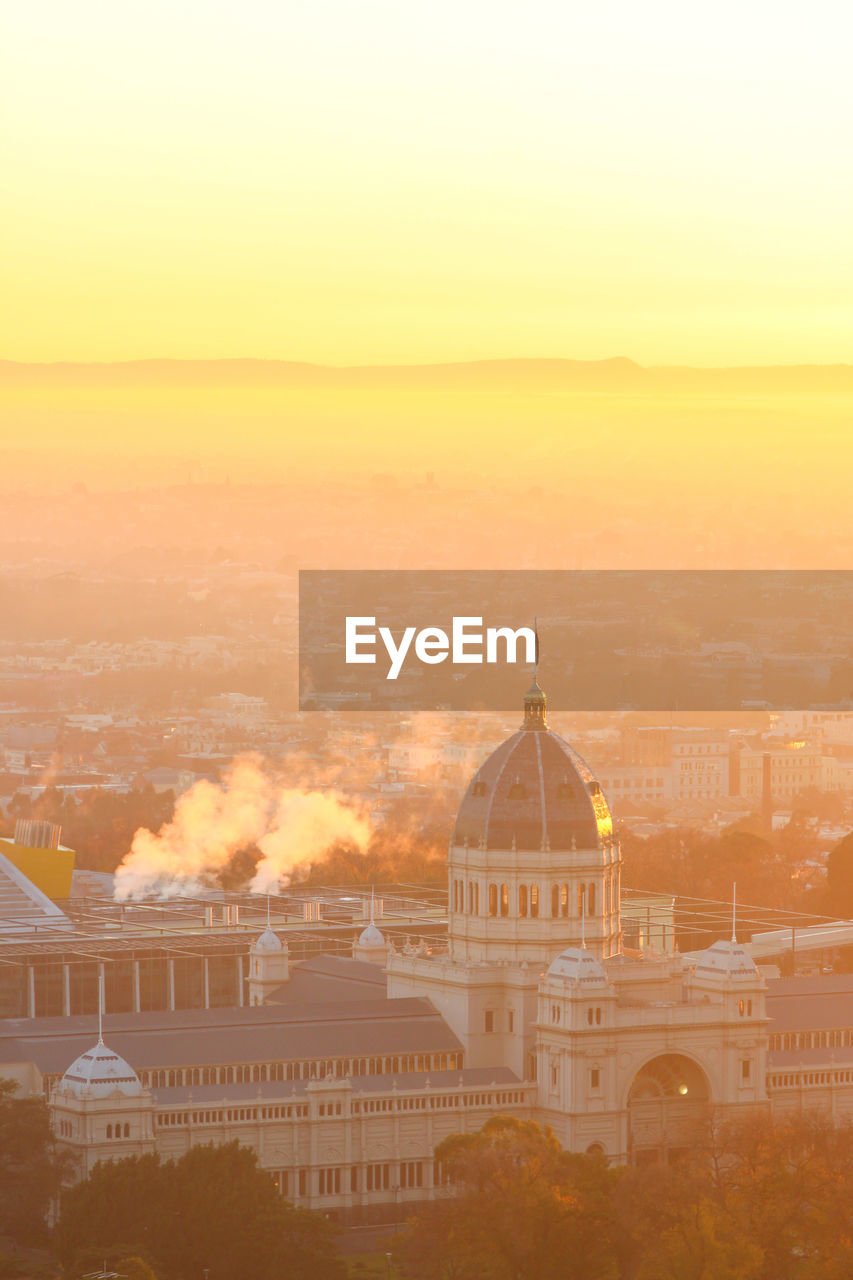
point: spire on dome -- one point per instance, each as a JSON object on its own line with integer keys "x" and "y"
{"x": 535, "y": 700}
{"x": 534, "y": 707}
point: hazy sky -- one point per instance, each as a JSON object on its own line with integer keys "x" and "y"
{"x": 409, "y": 181}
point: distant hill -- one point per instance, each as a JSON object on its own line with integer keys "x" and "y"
{"x": 617, "y": 375}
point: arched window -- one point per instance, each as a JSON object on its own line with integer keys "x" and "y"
{"x": 476, "y": 899}
{"x": 470, "y": 897}
{"x": 493, "y": 899}
{"x": 555, "y": 900}
{"x": 534, "y": 900}
{"x": 522, "y": 899}
{"x": 564, "y": 900}
{"x": 581, "y": 898}
{"x": 504, "y": 899}
{"x": 590, "y": 899}
{"x": 127, "y": 1130}
{"x": 109, "y": 1131}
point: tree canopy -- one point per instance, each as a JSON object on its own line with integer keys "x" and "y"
{"x": 213, "y": 1210}
{"x": 754, "y": 1200}
{"x": 31, "y": 1170}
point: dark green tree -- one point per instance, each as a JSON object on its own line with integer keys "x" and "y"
{"x": 31, "y": 1170}
{"x": 213, "y": 1209}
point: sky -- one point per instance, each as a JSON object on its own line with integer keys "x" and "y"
{"x": 404, "y": 183}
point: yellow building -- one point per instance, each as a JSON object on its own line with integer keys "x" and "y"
{"x": 38, "y": 855}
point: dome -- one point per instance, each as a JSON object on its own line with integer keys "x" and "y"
{"x": 576, "y": 964}
{"x": 268, "y": 941}
{"x": 726, "y": 960}
{"x": 371, "y": 937}
{"x": 533, "y": 792}
{"x": 99, "y": 1074}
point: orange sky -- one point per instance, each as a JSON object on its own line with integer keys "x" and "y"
{"x": 393, "y": 183}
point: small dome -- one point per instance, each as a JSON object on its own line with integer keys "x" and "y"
{"x": 99, "y": 1074}
{"x": 268, "y": 941}
{"x": 576, "y": 964}
{"x": 371, "y": 937}
{"x": 726, "y": 960}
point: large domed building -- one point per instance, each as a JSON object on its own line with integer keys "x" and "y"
{"x": 533, "y": 864}
{"x": 344, "y": 1072}
{"x": 536, "y": 978}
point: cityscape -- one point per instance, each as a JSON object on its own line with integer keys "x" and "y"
{"x": 509, "y": 346}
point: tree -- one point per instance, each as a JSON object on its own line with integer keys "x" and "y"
{"x": 31, "y": 1170}
{"x": 213, "y": 1210}
{"x": 522, "y": 1208}
{"x": 754, "y": 1200}
{"x": 839, "y": 878}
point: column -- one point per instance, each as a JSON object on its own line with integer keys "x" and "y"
{"x": 137, "y": 999}
{"x": 31, "y": 991}
{"x": 66, "y": 990}
{"x": 171, "y": 964}
{"x": 206, "y": 968}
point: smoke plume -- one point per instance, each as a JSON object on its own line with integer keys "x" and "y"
{"x": 213, "y": 823}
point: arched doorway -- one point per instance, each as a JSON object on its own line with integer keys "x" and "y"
{"x": 667, "y": 1106}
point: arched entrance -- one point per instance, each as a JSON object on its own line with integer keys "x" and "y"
{"x": 667, "y": 1106}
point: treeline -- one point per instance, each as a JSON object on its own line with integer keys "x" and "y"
{"x": 99, "y": 825}
{"x": 778, "y": 870}
{"x": 755, "y": 1200}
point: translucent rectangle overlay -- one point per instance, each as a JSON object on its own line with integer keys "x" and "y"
{"x": 608, "y": 640}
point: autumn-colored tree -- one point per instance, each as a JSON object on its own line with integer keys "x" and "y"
{"x": 518, "y": 1206}
{"x": 756, "y": 1200}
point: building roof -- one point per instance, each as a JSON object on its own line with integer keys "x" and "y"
{"x": 330, "y": 978}
{"x": 725, "y": 960}
{"x": 576, "y": 964}
{"x": 371, "y": 937}
{"x": 269, "y": 941}
{"x": 533, "y": 792}
{"x": 808, "y": 1004}
{"x": 209, "y": 1037}
{"x": 101, "y": 1073}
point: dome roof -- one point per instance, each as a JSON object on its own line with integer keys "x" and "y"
{"x": 268, "y": 941}
{"x": 576, "y": 964}
{"x": 371, "y": 937}
{"x": 533, "y": 792}
{"x": 726, "y": 960}
{"x": 100, "y": 1073}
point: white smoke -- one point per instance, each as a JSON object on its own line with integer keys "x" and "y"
{"x": 212, "y": 823}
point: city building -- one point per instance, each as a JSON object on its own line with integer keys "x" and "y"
{"x": 343, "y": 1071}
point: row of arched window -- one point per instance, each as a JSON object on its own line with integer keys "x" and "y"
{"x": 528, "y": 899}
{"x": 118, "y": 1133}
